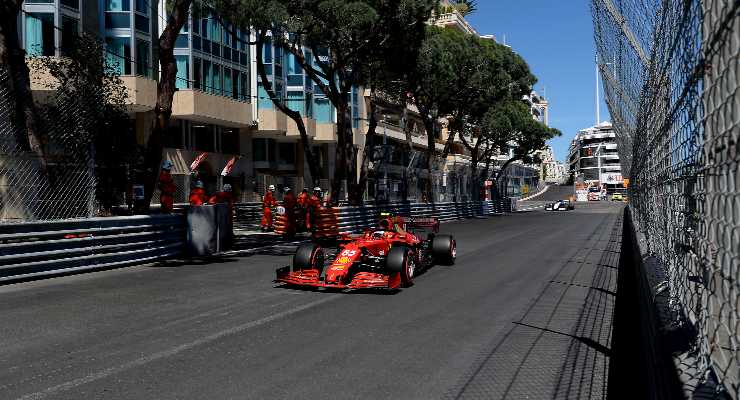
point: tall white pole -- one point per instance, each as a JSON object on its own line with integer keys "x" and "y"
{"x": 596, "y": 59}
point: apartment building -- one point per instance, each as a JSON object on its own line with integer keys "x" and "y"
{"x": 594, "y": 156}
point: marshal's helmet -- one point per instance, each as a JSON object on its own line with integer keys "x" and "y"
{"x": 227, "y": 187}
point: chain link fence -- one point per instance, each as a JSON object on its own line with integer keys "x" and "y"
{"x": 65, "y": 186}
{"x": 671, "y": 73}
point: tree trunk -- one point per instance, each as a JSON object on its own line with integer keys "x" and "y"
{"x": 165, "y": 92}
{"x": 344, "y": 147}
{"x": 431, "y": 148}
{"x": 313, "y": 166}
{"x": 13, "y": 58}
{"x": 369, "y": 141}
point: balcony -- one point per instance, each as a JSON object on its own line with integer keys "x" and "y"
{"x": 326, "y": 133}
{"x": 141, "y": 93}
{"x": 455, "y": 20}
{"x": 195, "y": 105}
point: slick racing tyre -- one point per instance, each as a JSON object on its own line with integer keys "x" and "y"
{"x": 444, "y": 249}
{"x": 401, "y": 259}
{"x": 308, "y": 256}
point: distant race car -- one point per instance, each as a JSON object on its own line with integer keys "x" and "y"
{"x": 618, "y": 196}
{"x": 560, "y": 205}
{"x": 386, "y": 257}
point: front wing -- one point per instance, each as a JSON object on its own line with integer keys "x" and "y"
{"x": 361, "y": 280}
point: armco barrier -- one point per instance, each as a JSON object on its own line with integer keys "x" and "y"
{"x": 248, "y": 215}
{"x": 355, "y": 219}
{"x": 44, "y": 248}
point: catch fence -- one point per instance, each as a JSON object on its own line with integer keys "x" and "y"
{"x": 671, "y": 72}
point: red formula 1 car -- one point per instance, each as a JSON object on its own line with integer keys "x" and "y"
{"x": 387, "y": 257}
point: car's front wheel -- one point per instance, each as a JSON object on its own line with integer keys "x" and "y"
{"x": 401, "y": 259}
{"x": 308, "y": 256}
{"x": 444, "y": 249}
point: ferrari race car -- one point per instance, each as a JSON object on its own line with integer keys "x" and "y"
{"x": 386, "y": 257}
{"x": 560, "y": 205}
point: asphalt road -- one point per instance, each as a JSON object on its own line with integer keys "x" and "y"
{"x": 556, "y": 192}
{"x": 525, "y": 313}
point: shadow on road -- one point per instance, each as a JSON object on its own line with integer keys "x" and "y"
{"x": 560, "y": 347}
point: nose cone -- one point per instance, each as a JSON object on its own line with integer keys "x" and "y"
{"x": 341, "y": 265}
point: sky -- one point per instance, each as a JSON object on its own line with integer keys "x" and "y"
{"x": 556, "y": 40}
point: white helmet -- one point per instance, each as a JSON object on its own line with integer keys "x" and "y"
{"x": 317, "y": 189}
{"x": 199, "y": 184}
{"x": 166, "y": 165}
{"x": 227, "y": 187}
{"x": 287, "y": 189}
{"x": 271, "y": 188}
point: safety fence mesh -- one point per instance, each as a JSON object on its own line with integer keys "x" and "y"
{"x": 61, "y": 182}
{"x": 670, "y": 70}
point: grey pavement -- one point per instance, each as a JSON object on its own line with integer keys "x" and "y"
{"x": 525, "y": 313}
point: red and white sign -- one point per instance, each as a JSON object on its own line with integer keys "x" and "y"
{"x": 198, "y": 160}
{"x": 229, "y": 166}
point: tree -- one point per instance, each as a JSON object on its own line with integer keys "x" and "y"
{"x": 528, "y": 137}
{"x": 260, "y": 18}
{"x": 335, "y": 42}
{"x": 460, "y": 77}
{"x": 13, "y": 59}
{"x": 96, "y": 130}
{"x": 177, "y": 16}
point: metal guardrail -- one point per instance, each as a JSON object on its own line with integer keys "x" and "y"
{"x": 45, "y": 248}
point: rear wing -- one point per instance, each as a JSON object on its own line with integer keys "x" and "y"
{"x": 423, "y": 222}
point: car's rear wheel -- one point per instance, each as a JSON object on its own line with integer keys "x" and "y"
{"x": 401, "y": 259}
{"x": 308, "y": 256}
{"x": 444, "y": 249}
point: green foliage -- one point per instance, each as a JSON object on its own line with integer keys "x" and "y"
{"x": 87, "y": 115}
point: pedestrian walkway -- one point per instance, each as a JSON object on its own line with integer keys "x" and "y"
{"x": 559, "y": 347}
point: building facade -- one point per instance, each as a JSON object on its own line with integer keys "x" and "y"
{"x": 593, "y": 156}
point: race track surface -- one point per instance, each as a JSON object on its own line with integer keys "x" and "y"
{"x": 525, "y": 313}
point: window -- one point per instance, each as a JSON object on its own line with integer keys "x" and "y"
{"x": 322, "y": 110}
{"x": 214, "y": 32}
{"x": 196, "y": 42}
{"x": 216, "y": 50}
{"x": 262, "y": 149}
{"x": 183, "y": 77}
{"x": 196, "y": 25}
{"x": 243, "y": 59}
{"x": 286, "y": 153}
{"x": 40, "y": 34}
{"x": 204, "y": 137}
{"x": 143, "y": 61}
{"x": 141, "y": 23}
{"x": 173, "y": 137}
{"x": 117, "y": 20}
{"x": 355, "y": 109}
{"x": 197, "y": 83}
{"x": 244, "y": 84}
{"x": 142, "y": 6}
{"x": 228, "y": 83}
{"x": 73, "y": 4}
{"x": 230, "y": 141}
{"x": 267, "y": 52}
{"x": 70, "y": 32}
{"x": 295, "y": 73}
{"x": 182, "y": 41}
{"x": 117, "y": 5}
{"x": 296, "y": 102}
{"x": 217, "y": 79}
{"x": 309, "y": 105}
{"x": 207, "y": 76}
{"x": 118, "y": 54}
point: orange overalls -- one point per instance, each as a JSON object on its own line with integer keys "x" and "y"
{"x": 289, "y": 202}
{"x": 198, "y": 197}
{"x": 166, "y": 191}
{"x": 267, "y": 202}
{"x": 313, "y": 207}
{"x": 302, "y": 203}
{"x": 222, "y": 197}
